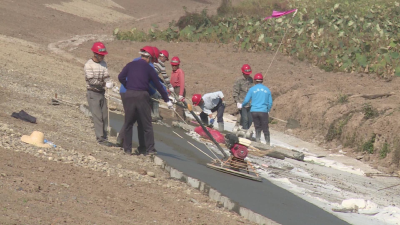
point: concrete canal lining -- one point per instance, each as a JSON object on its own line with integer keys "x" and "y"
{"x": 263, "y": 198}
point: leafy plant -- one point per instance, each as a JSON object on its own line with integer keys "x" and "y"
{"x": 369, "y": 111}
{"x": 329, "y": 34}
{"x": 368, "y": 146}
{"x": 384, "y": 151}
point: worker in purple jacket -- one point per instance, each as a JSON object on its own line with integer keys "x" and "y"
{"x": 135, "y": 77}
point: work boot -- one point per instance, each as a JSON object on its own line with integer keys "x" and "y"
{"x": 258, "y": 135}
{"x": 120, "y": 141}
{"x": 221, "y": 126}
{"x": 267, "y": 139}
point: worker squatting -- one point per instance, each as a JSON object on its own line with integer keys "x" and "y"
{"x": 144, "y": 82}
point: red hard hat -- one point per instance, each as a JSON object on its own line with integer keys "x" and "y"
{"x": 99, "y": 48}
{"x": 175, "y": 61}
{"x": 258, "y": 76}
{"x": 165, "y": 53}
{"x": 196, "y": 99}
{"x": 246, "y": 69}
{"x": 149, "y": 50}
{"x": 156, "y": 54}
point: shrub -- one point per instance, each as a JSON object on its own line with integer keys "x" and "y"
{"x": 384, "y": 151}
{"x": 368, "y": 146}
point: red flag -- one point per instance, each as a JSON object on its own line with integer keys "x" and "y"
{"x": 276, "y": 14}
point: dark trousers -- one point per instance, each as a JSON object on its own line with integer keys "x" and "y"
{"x": 261, "y": 121}
{"x": 179, "y": 109}
{"x": 220, "y": 108}
{"x": 98, "y": 107}
{"x": 246, "y": 118}
{"x": 138, "y": 109}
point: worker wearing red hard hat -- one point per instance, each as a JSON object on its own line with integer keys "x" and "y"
{"x": 178, "y": 84}
{"x": 145, "y": 51}
{"x": 160, "y": 67}
{"x": 209, "y": 103}
{"x": 135, "y": 77}
{"x": 97, "y": 78}
{"x": 240, "y": 89}
{"x": 261, "y": 103}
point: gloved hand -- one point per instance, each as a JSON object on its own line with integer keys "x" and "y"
{"x": 109, "y": 84}
{"x": 172, "y": 99}
{"x": 181, "y": 98}
{"x": 171, "y": 89}
{"x": 170, "y": 105}
{"x": 212, "y": 121}
{"x": 239, "y": 105}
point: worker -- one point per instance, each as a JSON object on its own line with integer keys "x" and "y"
{"x": 261, "y": 103}
{"x": 210, "y": 103}
{"x": 135, "y": 77}
{"x": 122, "y": 91}
{"x": 160, "y": 67}
{"x": 154, "y": 95}
{"x": 240, "y": 89}
{"x": 178, "y": 84}
{"x": 97, "y": 78}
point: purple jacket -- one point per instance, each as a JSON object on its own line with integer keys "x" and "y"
{"x": 136, "y": 76}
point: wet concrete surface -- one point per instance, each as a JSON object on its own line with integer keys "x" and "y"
{"x": 263, "y": 197}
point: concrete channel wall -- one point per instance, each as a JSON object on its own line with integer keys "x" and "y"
{"x": 205, "y": 188}
{"x": 213, "y": 194}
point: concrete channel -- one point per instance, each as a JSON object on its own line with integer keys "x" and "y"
{"x": 256, "y": 201}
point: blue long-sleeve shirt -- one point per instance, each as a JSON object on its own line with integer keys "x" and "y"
{"x": 261, "y": 98}
{"x": 137, "y": 75}
{"x": 122, "y": 89}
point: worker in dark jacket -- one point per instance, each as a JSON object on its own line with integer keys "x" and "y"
{"x": 135, "y": 77}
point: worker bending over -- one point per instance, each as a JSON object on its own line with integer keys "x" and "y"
{"x": 261, "y": 103}
{"x": 135, "y": 77}
{"x": 210, "y": 103}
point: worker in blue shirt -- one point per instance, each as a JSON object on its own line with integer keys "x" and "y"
{"x": 261, "y": 104}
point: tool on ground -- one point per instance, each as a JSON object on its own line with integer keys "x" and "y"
{"x": 108, "y": 111}
{"x": 236, "y": 163}
{"x": 389, "y": 187}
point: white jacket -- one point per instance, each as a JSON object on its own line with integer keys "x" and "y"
{"x": 211, "y": 100}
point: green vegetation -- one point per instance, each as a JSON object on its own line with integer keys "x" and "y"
{"x": 368, "y": 146}
{"x": 336, "y": 128}
{"x": 369, "y": 111}
{"x": 384, "y": 151}
{"x": 336, "y": 35}
{"x": 342, "y": 98}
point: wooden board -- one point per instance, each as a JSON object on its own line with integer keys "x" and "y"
{"x": 235, "y": 173}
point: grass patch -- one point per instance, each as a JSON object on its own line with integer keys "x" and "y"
{"x": 369, "y": 111}
{"x": 350, "y": 141}
{"x": 368, "y": 146}
{"x": 336, "y": 128}
{"x": 342, "y": 98}
{"x": 396, "y": 153}
{"x": 384, "y": 151}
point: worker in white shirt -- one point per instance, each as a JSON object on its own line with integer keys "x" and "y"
{"x": 209, "y": 103}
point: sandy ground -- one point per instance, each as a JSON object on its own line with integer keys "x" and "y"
{"x": 44, "y": 45}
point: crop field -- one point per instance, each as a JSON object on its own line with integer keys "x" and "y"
{"x": 341, "y": 35}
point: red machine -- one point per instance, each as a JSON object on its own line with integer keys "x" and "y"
{"x": 236, "y": 163}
